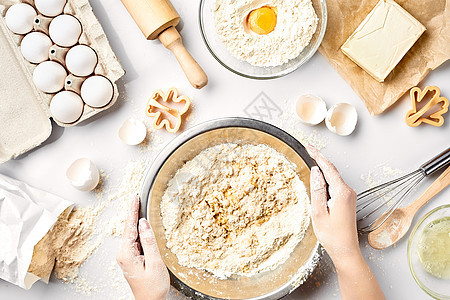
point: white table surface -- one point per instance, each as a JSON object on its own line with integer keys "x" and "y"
{"x": 378, "y": 141}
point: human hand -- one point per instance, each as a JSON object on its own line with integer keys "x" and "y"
{"x": 146, "y": 274}
{"x": 334, "y": 219}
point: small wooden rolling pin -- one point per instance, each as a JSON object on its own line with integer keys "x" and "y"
{"x": 157, "y": 19}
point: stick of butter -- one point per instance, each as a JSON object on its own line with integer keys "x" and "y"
{"x": 382, "y": 39}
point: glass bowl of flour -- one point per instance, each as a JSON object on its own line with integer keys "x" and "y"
{"x": 197, "y": 154}
{"x": 287, "y": 34}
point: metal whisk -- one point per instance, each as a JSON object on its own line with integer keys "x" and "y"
{"x": 376, "y": 205}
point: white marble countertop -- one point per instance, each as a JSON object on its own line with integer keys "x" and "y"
{"x": 378, "y": 145}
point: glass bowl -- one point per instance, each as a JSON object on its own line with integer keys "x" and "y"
{"x": 226, "y": 59}
{"x": 435, "y": 287}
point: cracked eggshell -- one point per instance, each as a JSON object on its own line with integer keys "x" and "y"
{"x": 81, "y": 60}
{"x": 311, "y": 109}
{"x": 20, "y": 17}
{"x": 341, "y": 119}
{"x": 49, "y": 76}
{"x": 132, "y": 132}
{"x": 50, "y": 8}
{"x": 65, "y": 30}
{"x": 35, "y": 47}
{"x": 83, "y": 175}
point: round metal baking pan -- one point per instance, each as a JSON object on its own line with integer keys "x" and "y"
{"x": 199, "y": 284}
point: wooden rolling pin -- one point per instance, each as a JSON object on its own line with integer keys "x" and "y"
{"x": 157, "y": 19}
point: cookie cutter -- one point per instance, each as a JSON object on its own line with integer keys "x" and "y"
{"x": 416, "y": 117}
{"x": 157, "y": 107}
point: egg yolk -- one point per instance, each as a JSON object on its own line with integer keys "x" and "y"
{"x": 262, "y": 20}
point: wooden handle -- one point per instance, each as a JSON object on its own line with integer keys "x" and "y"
{"x": 435, "y": 188}
{"x": 171, "y": 39}
{"x": 152, "y": 16}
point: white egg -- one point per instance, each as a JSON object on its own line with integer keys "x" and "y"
{"x": 97, "y": 91}
{"x": 132, "y": 132}
{"x": 341, "y": 119}
{"x": 50, "y": 8}
{"x": 83, "y": 175}
{"x": 65, "y": 30}
{"x": 81, "y": 60}
{"x": 66, "y": 107}
{"x": 20, "y": 17}
{"x": 49, "y": 76}
{"x": 35, "y": 47}
{"x": 311, "y": 109}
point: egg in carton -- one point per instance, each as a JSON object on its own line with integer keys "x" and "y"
{"x": 63, "y": 83}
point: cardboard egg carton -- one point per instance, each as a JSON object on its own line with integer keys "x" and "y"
{"x": 24, "y": 110}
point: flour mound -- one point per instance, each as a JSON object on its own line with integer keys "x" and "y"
{"x": 235, "y": 209}
{"x": 296, "y": 25}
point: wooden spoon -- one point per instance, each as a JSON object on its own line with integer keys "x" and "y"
{"x": 398, "y": 224}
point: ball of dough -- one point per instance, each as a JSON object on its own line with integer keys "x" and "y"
{"x": 65, "y": 30}
{"x": 35, "y": 47}
{"x": 66, "y": 107}
{"x": 49, "y": 76}
{"x": 20, "y": 17}
{"x": 97, "y": 91}
{"x": 81, "y": 60}
{"x": 50, "y": 8}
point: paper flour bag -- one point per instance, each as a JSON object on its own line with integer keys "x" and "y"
{"x": 26, "y": 215}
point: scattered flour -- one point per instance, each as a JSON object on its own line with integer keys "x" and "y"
{"x": 235, "y": 209}
{"x": 296, "y": 24}
{"x": 78, "y": 243}
{"x": 86, "y": 229}
{"x": 382, "y": 174}
{"x": 384, "y": 238}
{"x": 81, "y": 232}
{"x": 66, "y": 246}
{"x": 152, "y": 142}
{"x": 129, "y": 187}
{"x": 290, "y": 123}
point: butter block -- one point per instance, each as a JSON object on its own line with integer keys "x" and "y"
{"x": 383, "y": 39}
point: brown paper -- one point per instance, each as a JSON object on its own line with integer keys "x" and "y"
{"x": 429, "y": 52}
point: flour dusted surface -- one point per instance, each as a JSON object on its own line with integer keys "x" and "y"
{"x": 296, "y": 25}
{"x": 235, "y": 209}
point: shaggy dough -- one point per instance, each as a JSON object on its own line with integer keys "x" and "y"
{"x": 235, "y": 209}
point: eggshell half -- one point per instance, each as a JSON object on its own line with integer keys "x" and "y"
{"x": 83, "y": 175}
{"x": 342, "y": 119}
{"x": 132, "y": 132}
{"x": 311, "y": 109}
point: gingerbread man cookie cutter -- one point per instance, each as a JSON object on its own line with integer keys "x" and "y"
{"x": 158, "y": 109}
{"x": 416, "y": 117}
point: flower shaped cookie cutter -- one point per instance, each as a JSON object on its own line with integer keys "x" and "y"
{"x": 160, "y": 107}
{"x": 416, "y": 117}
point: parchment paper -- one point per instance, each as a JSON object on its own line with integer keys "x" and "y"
{"x": 429, "y": 52}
